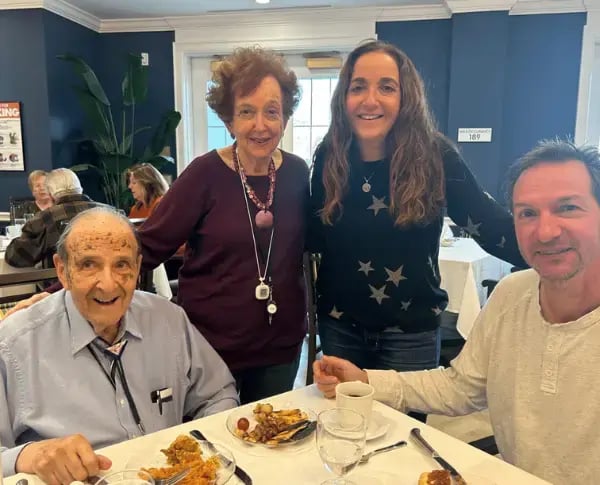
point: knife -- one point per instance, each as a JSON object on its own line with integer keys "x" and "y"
{"x": 416, "y": 434}
{"x": 241, "y": 474}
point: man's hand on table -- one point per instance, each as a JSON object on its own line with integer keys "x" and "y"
{"x": 60, "y": 461}
{"x": 330, "y": 371}
{"x": 26, "y": 303}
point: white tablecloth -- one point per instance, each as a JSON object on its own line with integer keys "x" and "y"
{"x": 301, "y": 464}
{"x": 463, "y": 266}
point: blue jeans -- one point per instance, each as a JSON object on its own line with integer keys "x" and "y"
{"x": 389, "y": 349}
{"x": 261, "y": 382}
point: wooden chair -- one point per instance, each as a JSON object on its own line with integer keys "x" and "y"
{"x": 309, "y": 264}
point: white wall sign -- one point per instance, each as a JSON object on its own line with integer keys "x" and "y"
{"x": 474, "y": 135}
{"x": 11, "y": 140}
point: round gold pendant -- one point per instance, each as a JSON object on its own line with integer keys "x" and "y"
{"x": 366, "y": 187}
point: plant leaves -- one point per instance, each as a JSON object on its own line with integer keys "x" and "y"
{"x": 83, "y": 167}
{"x": 135, "y": 83}
{"x": 95, "y": 111}
{"x": 89, "y": 77}
{"x": 126, "y": 143}
{"x": 164, "y": 131}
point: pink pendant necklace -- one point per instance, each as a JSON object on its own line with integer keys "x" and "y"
{"x": 264, "y": 217}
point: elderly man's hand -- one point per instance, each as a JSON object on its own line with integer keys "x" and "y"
{"x": 26, "y": 303}
{"x": 330, "y": 371}
{"x": 60, "y": 461}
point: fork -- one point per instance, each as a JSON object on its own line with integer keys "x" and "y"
{"x": 172, "y": 480}
{"x": 367, "y": 456}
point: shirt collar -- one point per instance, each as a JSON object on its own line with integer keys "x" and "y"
{"x": 82, "y": 333}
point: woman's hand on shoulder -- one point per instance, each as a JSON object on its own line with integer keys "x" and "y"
{"x": 26, "y": 303}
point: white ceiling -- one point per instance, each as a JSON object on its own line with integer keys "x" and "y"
{"x": 119, "y": 9}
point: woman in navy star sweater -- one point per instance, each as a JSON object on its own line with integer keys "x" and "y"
{"x": 381, "y": 180}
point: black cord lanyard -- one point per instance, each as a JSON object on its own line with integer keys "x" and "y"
{"x": 116, "y": 367}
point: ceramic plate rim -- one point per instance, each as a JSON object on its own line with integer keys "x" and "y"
{"x": 384, "y": 426}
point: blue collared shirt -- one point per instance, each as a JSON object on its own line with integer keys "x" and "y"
{"x": 52, "y": 386}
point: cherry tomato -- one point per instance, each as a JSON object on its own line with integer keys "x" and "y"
{"x": 243, "y": 424}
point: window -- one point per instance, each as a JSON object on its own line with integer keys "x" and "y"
{"x": 311, "y": 119}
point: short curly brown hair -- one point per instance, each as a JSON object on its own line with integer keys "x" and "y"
{"x": 242, "y": 72}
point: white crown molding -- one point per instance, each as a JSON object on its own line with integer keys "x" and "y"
{"x": 465, "y": 6}
{"x": 445, "y": 9}
{"x": 535, "y": 7}
{"x": 21, "y": 4}
{"x": 59, "y": 7}
{"x": 77, "y": 15}
{"x": 279, "y": 17}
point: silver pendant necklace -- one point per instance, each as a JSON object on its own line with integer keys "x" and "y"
{"x": 366, "y": 187}
{"x": 262, "y": 290}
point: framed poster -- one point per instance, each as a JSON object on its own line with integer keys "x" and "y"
{"x": 11, "y": 138}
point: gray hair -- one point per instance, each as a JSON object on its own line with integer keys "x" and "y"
{"x": 61, "y": 182}
{"x": 556, "y": 151}
{"x": 104, "y": 210}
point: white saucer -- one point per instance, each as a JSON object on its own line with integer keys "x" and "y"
{"x": 378, "y": 426}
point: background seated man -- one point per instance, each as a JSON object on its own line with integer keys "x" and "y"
{"x": 39, "y": 236}
{"x": 534, "y": 354}
{"x": 98, "y": 362}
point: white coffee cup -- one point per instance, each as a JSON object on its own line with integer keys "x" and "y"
{"x": 357, "y": 396}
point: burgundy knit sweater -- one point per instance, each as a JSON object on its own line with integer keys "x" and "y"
{"x": 205, "y": 208}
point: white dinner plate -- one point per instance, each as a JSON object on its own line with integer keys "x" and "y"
{"x": 378, "y": 426}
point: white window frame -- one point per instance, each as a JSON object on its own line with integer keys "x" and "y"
{"x": 586, "y": 124}
{"x": 289, "y": 34}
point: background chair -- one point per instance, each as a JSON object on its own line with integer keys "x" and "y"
{"x": 309, "y": 264}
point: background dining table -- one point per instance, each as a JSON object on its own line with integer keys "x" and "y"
{"x": 300, "y": 463}
{"x": 463, "y": 266}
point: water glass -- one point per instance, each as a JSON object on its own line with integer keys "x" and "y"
{"x": 127, "y": 477}
{"x": 340, "y": 442}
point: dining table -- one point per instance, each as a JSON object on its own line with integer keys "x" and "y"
{"x": 464, "y": 265}
{"x": 21, "y": 281}
{"x": 300, "y": 464}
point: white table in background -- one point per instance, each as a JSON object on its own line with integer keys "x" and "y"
{"x": 300, "y": 464}
{"x": 463, "y": 266}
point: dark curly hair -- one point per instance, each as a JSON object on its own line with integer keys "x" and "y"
{"x": 242, "y": 72}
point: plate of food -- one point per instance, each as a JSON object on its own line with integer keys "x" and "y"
{"x": 267, "y": 426}
{"x": 209, "y": 464}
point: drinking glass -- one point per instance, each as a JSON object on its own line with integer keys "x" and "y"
{"x": 19, "y": 221}
{"x": 28, "y": 216}
{"x": 126, "y": 477}
{"x": 341, "y": 442}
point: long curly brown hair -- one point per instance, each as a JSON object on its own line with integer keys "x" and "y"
{"x": 412, "y": 145}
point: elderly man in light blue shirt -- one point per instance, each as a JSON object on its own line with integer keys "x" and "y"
{"x": 98, "y": 362}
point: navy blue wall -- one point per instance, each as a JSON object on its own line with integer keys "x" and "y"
{"x": 66, "y": 117}
{"x": 518, "y": 75}
{"x": 23, "y": 79}
{"x": 112, "y": 65}
{"x": 427, "y": 43}
{"x": 542, "y": 79}
{"x": 477, "y": 79}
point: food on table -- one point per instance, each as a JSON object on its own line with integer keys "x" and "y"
{"x": 273, "y": 426}
{"x": 435, "y": 477}
{"x": 183, "y": 453}
{"x": 243, "y": 424}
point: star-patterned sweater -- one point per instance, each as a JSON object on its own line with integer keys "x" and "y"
{"x": 379, "y": 275}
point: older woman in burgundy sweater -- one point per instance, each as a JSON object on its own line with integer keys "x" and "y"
{"x": 241, "y": 210}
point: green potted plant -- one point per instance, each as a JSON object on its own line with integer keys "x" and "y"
{"x": 116, "y": 148}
